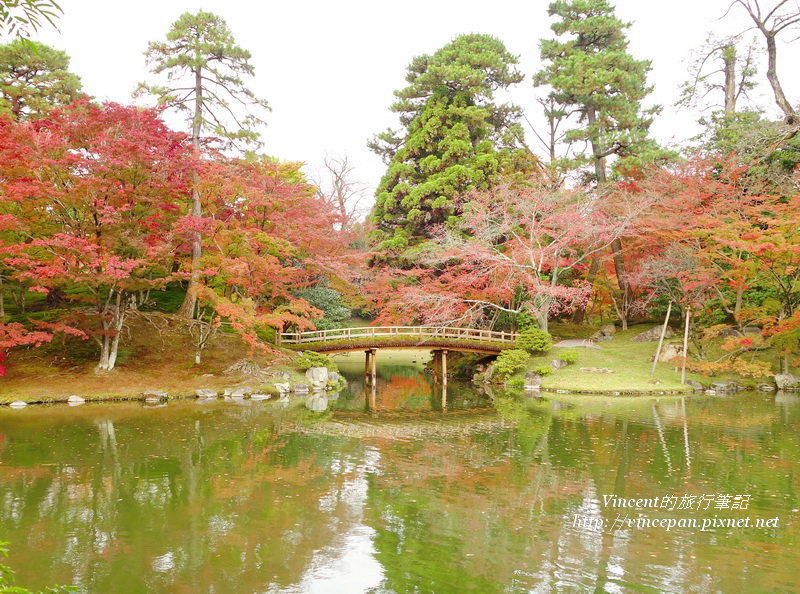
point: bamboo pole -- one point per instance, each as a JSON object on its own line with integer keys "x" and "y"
{"x": 661, "y": 339}
{"x": 685, "y": 344}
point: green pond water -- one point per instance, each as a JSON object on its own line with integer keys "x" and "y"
{"x": 406, "y": 489}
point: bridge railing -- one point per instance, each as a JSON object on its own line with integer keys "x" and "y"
{"x": 421, "y": 332}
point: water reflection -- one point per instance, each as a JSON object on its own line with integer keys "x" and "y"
{"x": 125, "y": 498}
{"x": 403, "y": 387}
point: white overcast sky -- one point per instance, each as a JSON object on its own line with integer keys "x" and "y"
{"x": 328, "y": 68}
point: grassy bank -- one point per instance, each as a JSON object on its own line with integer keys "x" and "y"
{"x": 630, "y": 363}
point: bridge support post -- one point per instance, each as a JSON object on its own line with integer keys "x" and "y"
{"x": 370, "y": 366}
{"x": 440, "y": 366}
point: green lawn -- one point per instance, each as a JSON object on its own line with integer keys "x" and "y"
{"x": 630, "y": 362}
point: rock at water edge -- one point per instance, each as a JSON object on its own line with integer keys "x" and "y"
{"x": 787, "y": 381}
{"x": 241, "y": 391}
{"x": 318, "y": 376}
{"x": 532, "y": 380}
{"x": 282, "y": 388}
{"x": 154, "y": 395}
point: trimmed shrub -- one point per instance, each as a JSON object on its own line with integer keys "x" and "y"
{"x": 534, "y": 340}
{"x": 311, "y": 359}
{"x": 510, "y": 361}
{"x": 570, "y": 355}
{"x": 544, "y": 370}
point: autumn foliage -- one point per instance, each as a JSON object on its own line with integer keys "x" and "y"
{"x": 95, "y": 207}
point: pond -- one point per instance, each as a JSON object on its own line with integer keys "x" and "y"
{"x": 393, "y": 492}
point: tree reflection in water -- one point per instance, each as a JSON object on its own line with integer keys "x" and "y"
{"x": 259, "y": 498}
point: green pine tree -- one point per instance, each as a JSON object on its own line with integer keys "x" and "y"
{"x": 590, "y": 71}
{"x": 455, "y": 138}
{"x": 34, "y": 78}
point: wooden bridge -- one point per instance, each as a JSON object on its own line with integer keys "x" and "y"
{"x": 439, "y": 339}
{"x": 341, "y": 340}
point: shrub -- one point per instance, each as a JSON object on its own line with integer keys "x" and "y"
{"x": 311, "y": 359}
{"x": 544, "y": 370}
{"x": 534, "y": 340}
{"x": 510, "y": 361}
{"x": 524, "y": 320}
{"x": 569, "y": 356}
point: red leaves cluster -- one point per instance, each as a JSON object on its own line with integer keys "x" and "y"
{"x": 95, "y": 201}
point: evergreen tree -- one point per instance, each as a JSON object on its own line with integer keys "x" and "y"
{"x": 589, "y": 70}
{"x": 204, "y": 66}
{"x": 455, "y": 138}
{"x": 34, "y": 78}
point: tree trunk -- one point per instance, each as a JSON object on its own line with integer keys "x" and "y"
{"x": 188, "y": 306}
{"x": 737, "y": 308}
{"x": 619, "y": 272}
{"x": 55, "y": 298}
{"x": 542, "y": 321}
{"x": 580, "y": 313}
{"x": 729, "y": 59}
{"x": 542, "y": 314}
{"x": 774, "y": 81}
{"x": 112, "y": 319}
{"x": 616, "y": 245}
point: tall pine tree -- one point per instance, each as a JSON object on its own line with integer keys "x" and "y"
{"x": 455, "y": 138}
{"x": 591, "y": 73}
{"x": 204, "y": 69}
{"x": 589, "y": 70}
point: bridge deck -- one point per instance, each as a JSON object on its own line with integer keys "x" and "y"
{"x": 349, "y": 339}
